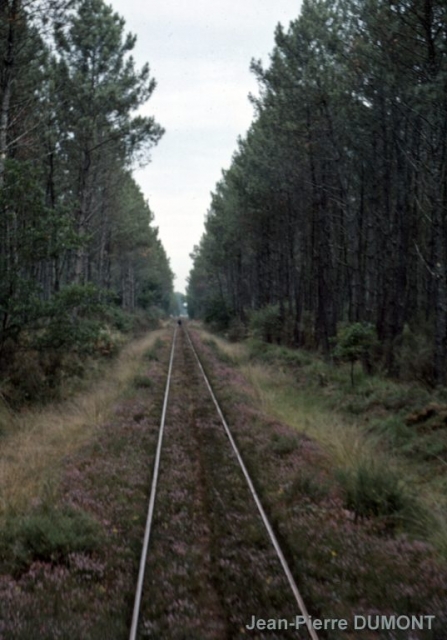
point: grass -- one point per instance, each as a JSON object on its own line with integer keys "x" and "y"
{"x": 283, "y": 444}
{"x": 70, "y": 546}
{"x": 47, "y": 535}
{"x": 229, "y": 352}
{"x": 355, "y": 510}
{"x": 152, "y": 353}
{"x": 141, "y": 381}
{"x": 384, "y": 468}
{"x": 36, "y": 441}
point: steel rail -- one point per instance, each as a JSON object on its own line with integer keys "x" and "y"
{"x": 268, "y": 526}
{"x": 150, "y": 512}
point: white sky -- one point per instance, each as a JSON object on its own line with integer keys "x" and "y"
{"x": 199, "y": 53}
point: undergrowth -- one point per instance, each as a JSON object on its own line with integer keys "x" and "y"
{"x": 73, "y": 498}
{"x": 363, "y": 519}
{"x": 46, "y": 535}
{"x": 35, "y": 441}
{"x": 385, "y": 440}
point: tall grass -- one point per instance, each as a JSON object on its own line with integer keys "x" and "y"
{"x": 366, "y": 456}
{"x": 35, "y": 442}
{"x": 376, "y": 480}
{"x": 234, "y": 352}
{"x": 344, "y": 443}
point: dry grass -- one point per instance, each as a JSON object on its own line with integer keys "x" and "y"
{"x": 236, "y": 352}
{"x": 344, "y": 443}
{"x": 350, "y": 448}
{"x": 36, "y": 441}
{"x": 348, "y": 445}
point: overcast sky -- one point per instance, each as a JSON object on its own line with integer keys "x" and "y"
{"x": 199, "y": 53}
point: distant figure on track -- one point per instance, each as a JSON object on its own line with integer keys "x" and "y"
{"x": 179, "y": 322}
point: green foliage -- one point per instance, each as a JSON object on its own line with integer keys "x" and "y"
{"x": 237, "y": 330}
{"x": 149, "y": 319}
{"x": 356, "y": 342}
{"x": 374, "y": 490}
{"x": 118, "y": 318}
{"x": 333, "y": 203}
{"x": 216, "y": 314}
{"x": 48, "y": 535}
{"x": 102, "y": 86}
{"x": 75, "y": 229}
{"x": 265, "y": 324}
{"x": 73, "y": 320}
{"x": 293, "y": 359}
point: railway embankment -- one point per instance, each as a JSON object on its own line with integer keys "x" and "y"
{"x": 69, "y": 556}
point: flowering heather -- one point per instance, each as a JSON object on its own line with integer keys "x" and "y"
{"x": 210, "y": 565}
{"x": 88, "y": 595}
{"x": 343, "y": 567}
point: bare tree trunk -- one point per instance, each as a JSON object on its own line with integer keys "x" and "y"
{"x": 10, "y": 15}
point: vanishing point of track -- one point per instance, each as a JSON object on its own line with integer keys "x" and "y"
{"x": 282, "y": 562}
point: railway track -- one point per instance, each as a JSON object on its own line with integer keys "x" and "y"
{"x": 211, "y": 565}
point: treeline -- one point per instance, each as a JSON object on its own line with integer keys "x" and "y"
{"x": 75, "y": 235}
{"x": 334, "y": 208}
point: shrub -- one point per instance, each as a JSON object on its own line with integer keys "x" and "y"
{"x": 356, "y": 342}
{"x": 48, "y": 535}
{"x": 147, "y": 319}
{"x": 118, "y": 319}
{"x": 265, "y": 324}
{"x": 26, "y": 379}
{"x": 107, "y": 345}
{"x": 373, "y": 490}
{"x": 71, "y": 320}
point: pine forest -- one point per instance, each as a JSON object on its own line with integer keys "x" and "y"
{"x": 262, "y": 452}
{"x": 330, "y": 224}
{"x": 78, "y": 254}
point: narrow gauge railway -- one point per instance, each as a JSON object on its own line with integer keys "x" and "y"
{"x": 211, "y": 566}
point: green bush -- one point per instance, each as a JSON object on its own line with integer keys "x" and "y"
{"x": 47, "y": 535}
{"x": 265, "y": 324}
{"x": 71, "y": 320}
{"x": 147, "y": 319}
{"x": 373, "y": 490}
{"x": 26, "y": 379}
{"x": 356, "y": 342}
{"x": 118, "y": 319}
